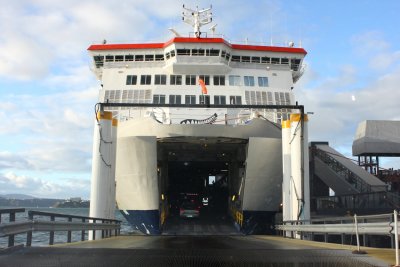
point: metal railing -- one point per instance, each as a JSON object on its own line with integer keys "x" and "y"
{"x": 372, "y": 202}
{"x": 72, "y": 223}
{"x": 382, "y": 224}
{"x": 356, "y": 181}
{"x": 11, "y": 213}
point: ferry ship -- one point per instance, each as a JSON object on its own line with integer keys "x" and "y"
{"x": 231, "y": 157}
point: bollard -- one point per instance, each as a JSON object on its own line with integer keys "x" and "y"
{"x": 358, "y": 251}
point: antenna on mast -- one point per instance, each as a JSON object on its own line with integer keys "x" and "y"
{"x": 212, "y": 28}
{"x": 197, "y": 18}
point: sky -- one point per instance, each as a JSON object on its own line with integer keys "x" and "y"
{"x": 48, "y": 91}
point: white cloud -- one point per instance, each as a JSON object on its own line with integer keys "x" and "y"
{"x": 379, "y": 53}
{"x": 383, "y": 61}
{"x": 53, "y": 132}
{"x": 63, "y": 188}
{"x": 23, "y": 58}
{"x": 11, "y": 160}
{"x": 369, "y": 42}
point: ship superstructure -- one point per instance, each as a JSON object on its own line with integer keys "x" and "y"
{"x": 197, "y": 70}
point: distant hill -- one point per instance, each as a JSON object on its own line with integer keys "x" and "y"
{"x": 34, "y": 202}
{"x": 17, "y": 196}
{"x": 21, "y": 200}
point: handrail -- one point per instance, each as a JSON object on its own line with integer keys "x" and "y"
{"x": 356, "y": 203}
{"x": 380, "y": 224}
{"x": 4, "y": 211}
{"x": 352, "y": 178}
{"x": 62, "y": 215}
{"x": 11, "y": 212}
{"x": 380, "y": 228}
{"x": 26, "y": 226}
{"x": 344, "y": 218}
{"x": 107, "y": 226}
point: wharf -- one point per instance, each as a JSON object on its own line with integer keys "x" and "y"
{"x": 196, "y": 251}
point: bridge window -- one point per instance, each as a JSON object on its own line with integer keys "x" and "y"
{"x": 204, "y": 99}
{"x": 159, "y": 57}
{"x": 219, "y": 80}
{"x": 119, "y": 58}
{"x": 205, "y": 78}
{"x": 172, "y": 53}
{"x": 255, "y": 59}
{"x": 248, "y": 80}
{"x": 98, "y": 61}
{"x": 158, "y": 99}
{"x": 190, "y": 80}
{"x": 219, "y": 100}
{"x": 295, "y": 63}
{"x": 190, "y": 99}
{"x": 266, "y": 60}
{"x": 183, "y": 52}
{"x": 223, "y": 53}
{"x": 235, "y": 59}
{"x": 129, "y": 58}
{"x": 284, "y": 61}
{"x": 275, "y": 60}
{"x": 139, "y": 58}
{"x": 263, "y": 81}
{"x": 245, "y": 59}
{"x": 175, "y": 99}
{"x": 160, "y": 79}
{"x": 212, "y": 52}
{"x": 228, "y": 56}
{"x": 167, "y": 55}
{"x": 175, "y": 79}
{"x": 197, "y": 52}
{"x": 145, "y": 79}
{"x": 234, "y": 80}
{"x": 235, "y": 100}
{"x": 109, "y": 58}
{"x": 131, "y": 79}
{"x": 149, "y": 57}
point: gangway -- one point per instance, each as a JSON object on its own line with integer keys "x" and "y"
{"x": 340, "y": 173}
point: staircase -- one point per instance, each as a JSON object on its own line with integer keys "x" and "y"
{"x": 341, "y": 174}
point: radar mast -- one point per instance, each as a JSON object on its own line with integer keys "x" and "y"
{"x": 197, "y": 18}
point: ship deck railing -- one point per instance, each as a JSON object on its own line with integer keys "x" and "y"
{"x": 68, "y": 223}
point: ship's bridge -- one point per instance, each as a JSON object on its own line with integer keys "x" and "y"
{"x": 202, "y": 55}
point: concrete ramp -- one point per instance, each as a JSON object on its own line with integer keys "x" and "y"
{"x": 341, "y": 174}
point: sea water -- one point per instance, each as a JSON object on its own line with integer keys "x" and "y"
{"x": 42, "y": 238}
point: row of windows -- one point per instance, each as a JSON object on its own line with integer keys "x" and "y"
{"x": 218, "y": 80}
{"x": 191, "y": 99}
{"x": 294, "y": 62}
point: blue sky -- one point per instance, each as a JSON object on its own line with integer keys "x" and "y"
{"x": 47, "y": 90}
